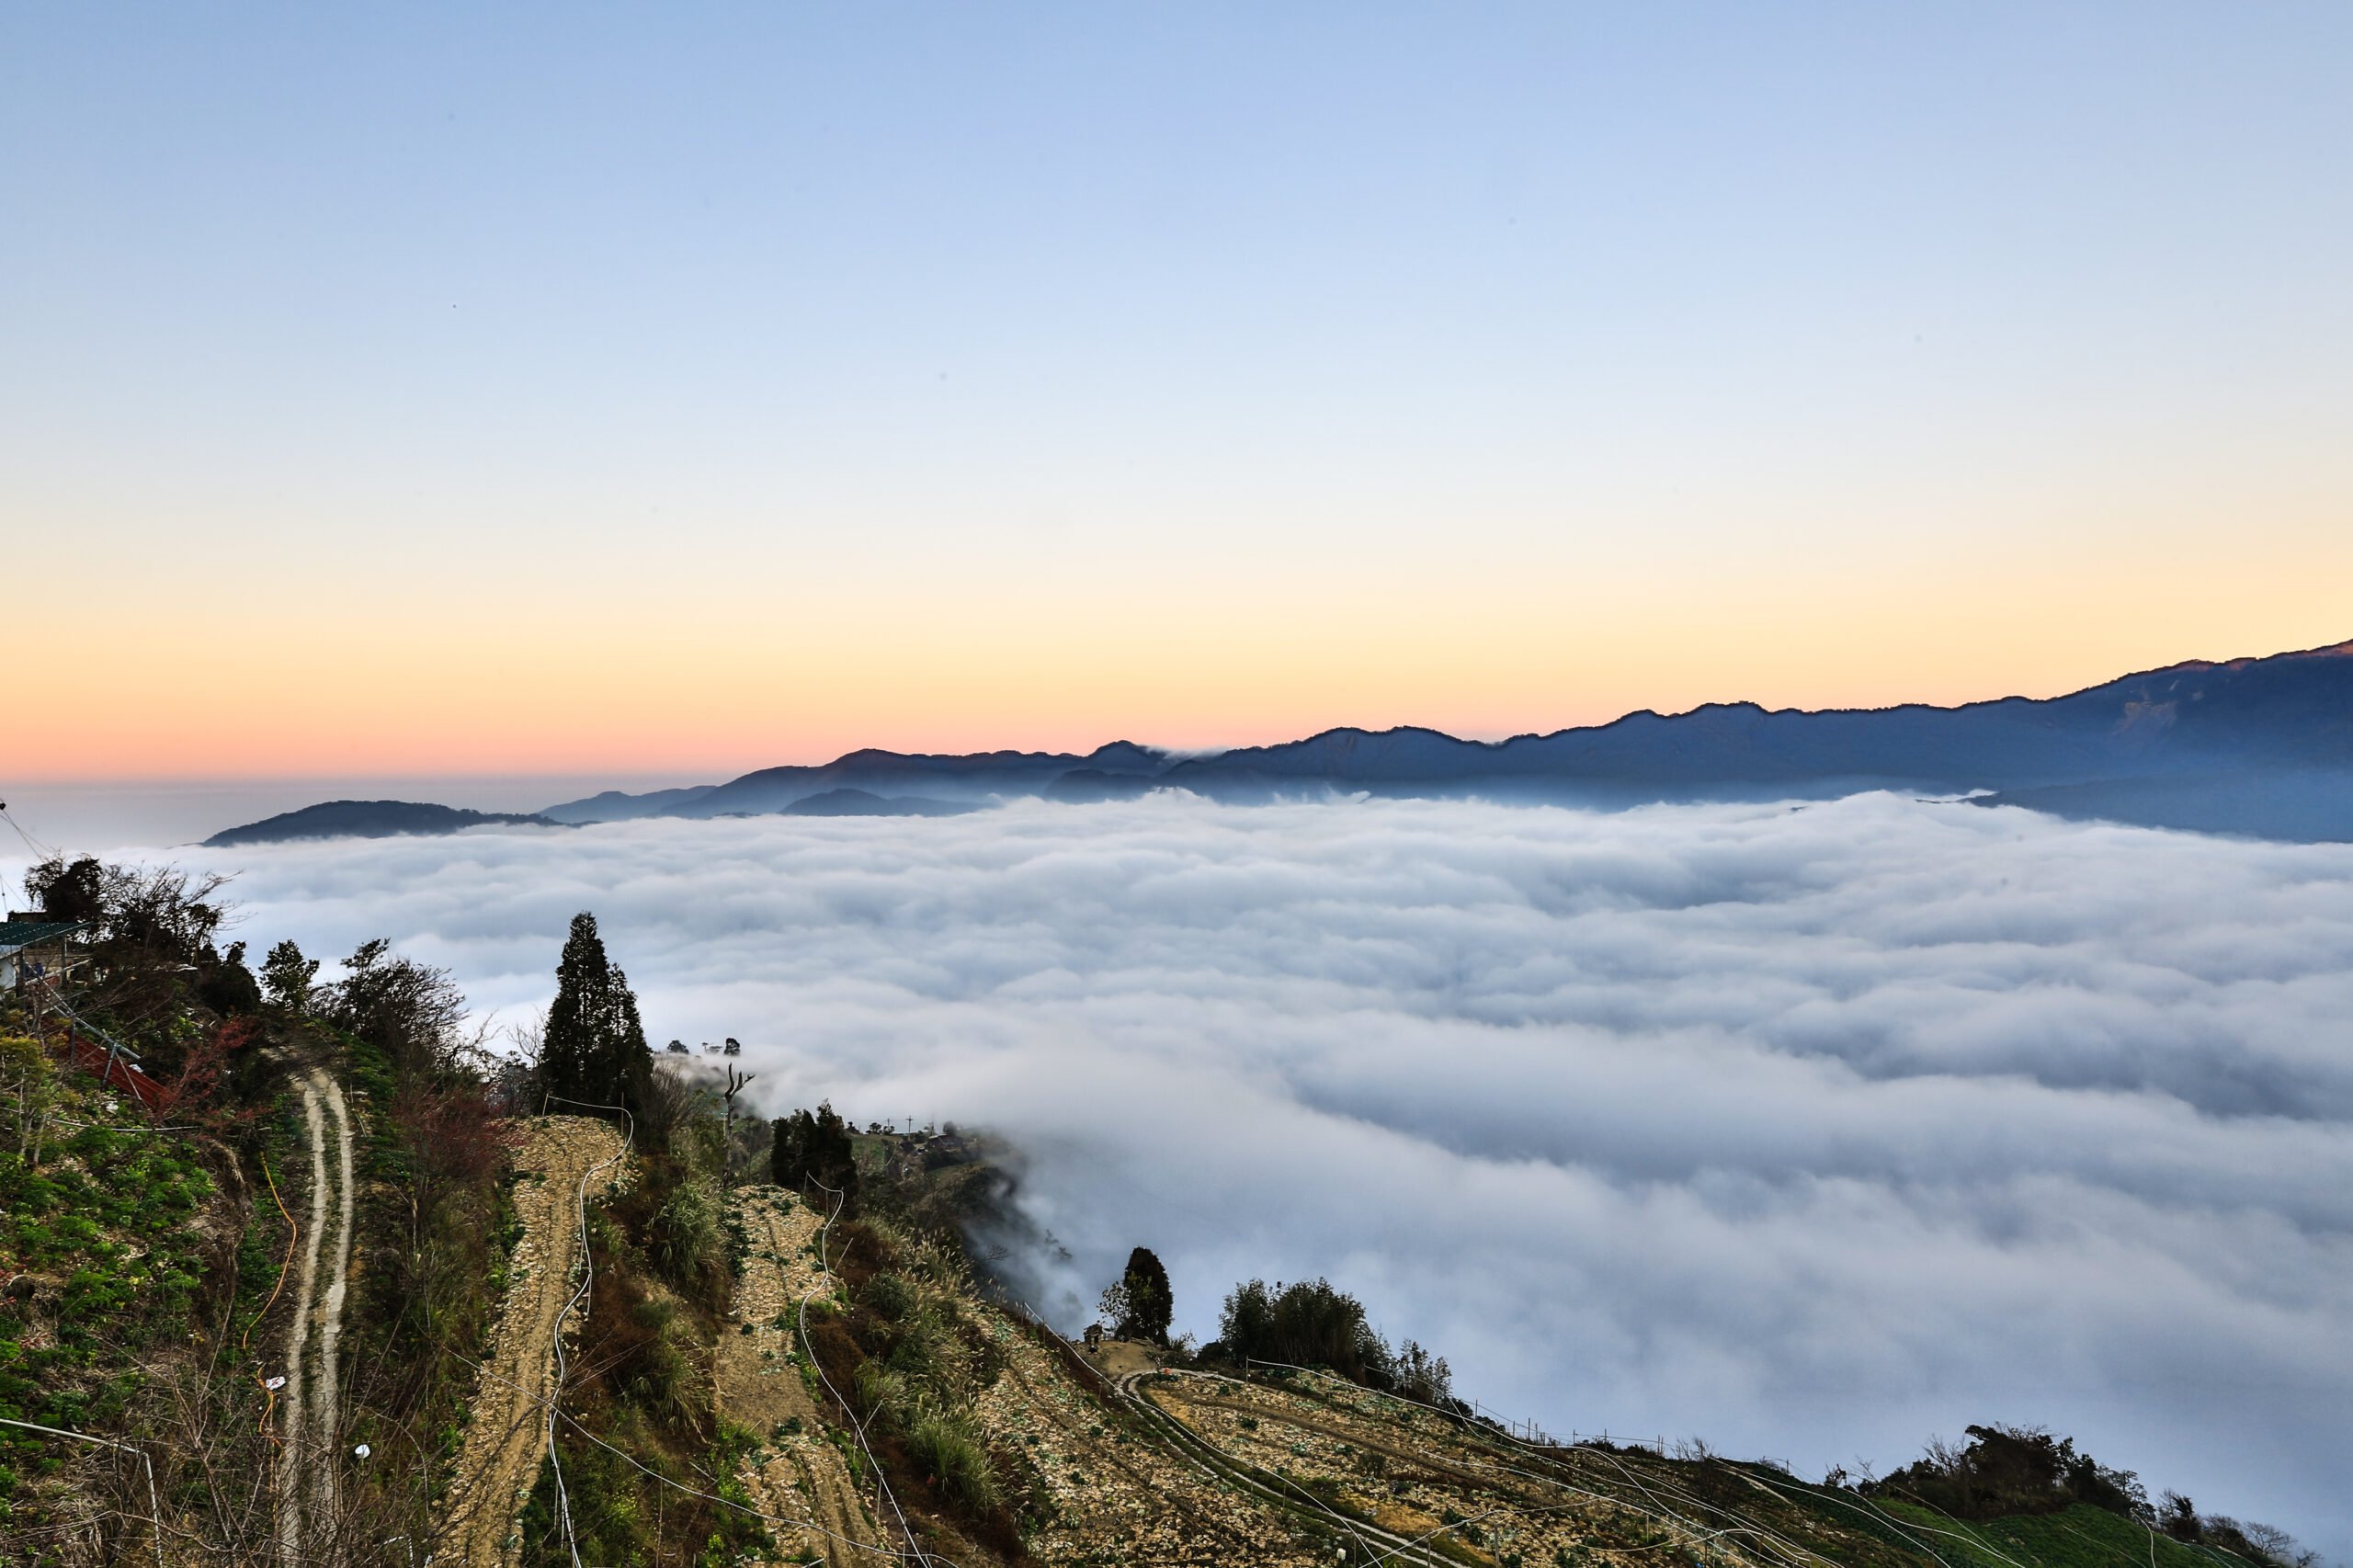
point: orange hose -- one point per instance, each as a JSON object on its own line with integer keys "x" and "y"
{"x": 293, "y": 1235}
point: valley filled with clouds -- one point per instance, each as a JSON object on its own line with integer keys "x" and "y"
{"x": 1811, "y": 1131}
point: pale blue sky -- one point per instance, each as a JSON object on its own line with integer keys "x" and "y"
{"x": 1403, "y": 322}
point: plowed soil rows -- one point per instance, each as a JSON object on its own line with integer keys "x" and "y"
{"x": 560, "y": 1159}
{"x": 796, "y": 1474}
{"x": 1413, "y": 1470}
{"x": 1117, "y": 1498}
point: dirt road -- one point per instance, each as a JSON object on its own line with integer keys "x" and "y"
{"x": 309, "y": 1406}
{"x": 796, "y": 1474}
{"x": 562, "y": 1161}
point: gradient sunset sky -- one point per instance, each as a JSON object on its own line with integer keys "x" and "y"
{"x": 689, "y": 389}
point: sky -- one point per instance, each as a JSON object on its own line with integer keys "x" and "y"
{"x": 1813, "y": 1133}
{"x": 667, "y": 391}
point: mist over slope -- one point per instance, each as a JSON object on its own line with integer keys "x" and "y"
{"x": 1808, "y": 1130}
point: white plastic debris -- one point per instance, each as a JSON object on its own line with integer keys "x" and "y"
{"x": 361, "y": 1451}
{"x": 274, "y": 1384}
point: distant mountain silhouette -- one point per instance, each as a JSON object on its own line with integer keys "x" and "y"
{"x": 2289, "y": 712}
{"x": 615, "y": 806}
{"x": 2260, "y": 745}
{"x": 2248, "y": 745}
{"x": 849, "y": 802}
{"x": 367, "y": 819}
{"x": 975, "y": 780}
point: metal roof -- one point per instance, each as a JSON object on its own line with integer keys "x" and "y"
{"x": 16, "y": 934}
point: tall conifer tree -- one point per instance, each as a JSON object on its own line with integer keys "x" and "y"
{"x": 594, "y": 1048}
{"x": 1139, "y": 1304}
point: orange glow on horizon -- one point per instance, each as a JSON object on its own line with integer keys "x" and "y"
{"x": 367, "y": 698}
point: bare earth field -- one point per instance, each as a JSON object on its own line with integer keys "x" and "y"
{"x": 1117, "y": 1496}
{"x": 798, "y": 1472}
{"x": 562, "y": 1162}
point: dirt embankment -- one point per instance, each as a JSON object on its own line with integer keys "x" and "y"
{"x": 561, "y": 1160}
{"x": 797, "y": 1472}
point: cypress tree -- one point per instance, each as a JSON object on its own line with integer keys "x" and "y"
{"x": 594, "y": 1048}
{"x": 1139, "y": 1305}
{"x": 625, "y": 1067}
{"x": 788, "y": 1154}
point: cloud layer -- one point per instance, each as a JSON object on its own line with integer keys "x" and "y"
{"x": 1811, "y": 1130}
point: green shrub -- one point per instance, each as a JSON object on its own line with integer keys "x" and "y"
{"x": 890, "y": 1296}
{"x": 917, "y": 1355}
{"x": 2012, "y": 1470}
{"x": 948, "y": 1452}
{"x": 684, "y": 1240}
{"x": 880, "y": 1390}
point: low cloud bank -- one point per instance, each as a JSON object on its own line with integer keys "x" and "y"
{"x": 1813, "y": 1132}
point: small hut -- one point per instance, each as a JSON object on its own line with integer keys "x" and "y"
{"x": 1093, "y": 1337}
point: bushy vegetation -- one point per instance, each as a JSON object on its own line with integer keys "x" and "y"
{"x": 922, "y": 1359}
{"x": 2012, "y": 1470}
{"x": 643, "y": 1453}
{"x": 432, "y": 1214}
{"x": 119, "y": 1223}
{"x": 814, "y": 1149}
{"x": 2010, "y": 1479}
{"x": 154, "y": 979}
{"x": 1311, "y": 1323}
{"x": 98, "y": 1243}
{"x": 2257, "y": 1542}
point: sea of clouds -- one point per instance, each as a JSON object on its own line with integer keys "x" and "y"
{"x": 1810, "y": 1130}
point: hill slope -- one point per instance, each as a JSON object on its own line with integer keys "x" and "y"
{"x": 367, "y": 819}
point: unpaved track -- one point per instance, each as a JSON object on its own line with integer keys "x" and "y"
{"x": 327, "y": 1394}
{"x": 309, "y": 1406}
{"x": 795, "y": 1475}
{"x": 561, "y": 1160}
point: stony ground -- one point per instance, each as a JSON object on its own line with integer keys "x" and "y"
{"x": 1415, "y": 1472}
{"x": 1117, "y": 1498}
{"x": 798, "y": 1472}
{"x": 559, "y": 1158}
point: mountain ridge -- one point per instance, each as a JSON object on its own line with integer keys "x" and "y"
{"x": 369, "y": 819}
{"x": 2261, "y": 745}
